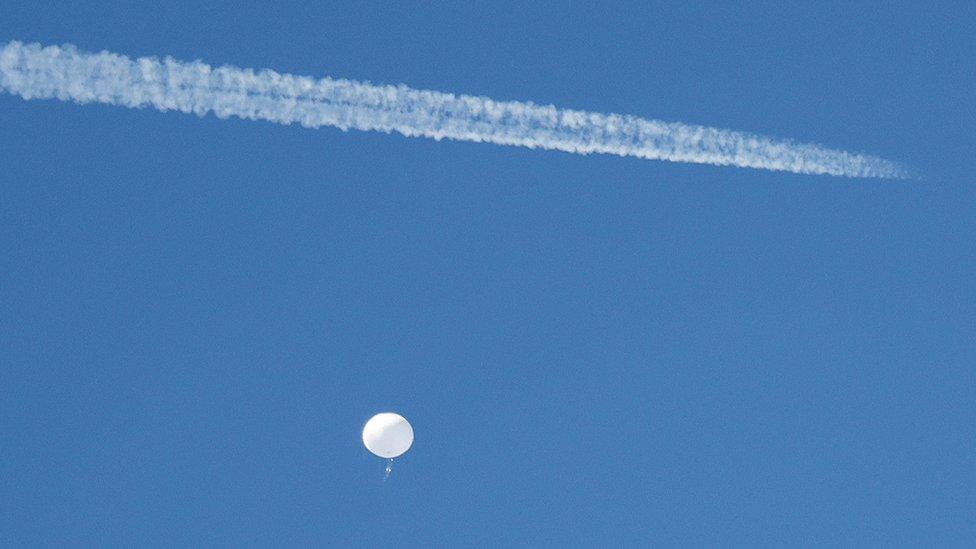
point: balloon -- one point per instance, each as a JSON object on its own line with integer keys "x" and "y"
{"x": 387, "y": 435}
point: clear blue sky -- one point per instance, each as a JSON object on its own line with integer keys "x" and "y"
{"x": 198, "y": 315}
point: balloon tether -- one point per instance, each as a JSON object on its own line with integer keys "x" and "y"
{"x": 389, "y": 469}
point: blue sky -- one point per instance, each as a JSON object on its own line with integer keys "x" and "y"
{"x": 198, "y": 315}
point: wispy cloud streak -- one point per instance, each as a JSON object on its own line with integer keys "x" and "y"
{"x": 63, "y": 72}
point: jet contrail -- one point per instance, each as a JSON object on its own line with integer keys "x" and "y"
{"x": 63, "y": 72}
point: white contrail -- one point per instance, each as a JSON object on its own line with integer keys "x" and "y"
{"x": 35, "y": 72}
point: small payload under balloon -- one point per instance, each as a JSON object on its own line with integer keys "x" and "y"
{"x": 388, "y": 435}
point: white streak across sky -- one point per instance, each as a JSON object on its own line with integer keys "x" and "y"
{"x": 63, "y": 72}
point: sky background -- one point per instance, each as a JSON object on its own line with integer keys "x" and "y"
{"x": 197, "y": 316}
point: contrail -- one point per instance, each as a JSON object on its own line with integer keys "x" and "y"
{"x": 63, "y": 72}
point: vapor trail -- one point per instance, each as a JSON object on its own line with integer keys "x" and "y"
{"x": 35, "y": 72}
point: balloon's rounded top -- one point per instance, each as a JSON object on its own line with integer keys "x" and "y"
{"x": 388, "y": 435}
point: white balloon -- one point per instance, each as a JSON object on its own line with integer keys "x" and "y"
{"x": 388, "y": 435}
